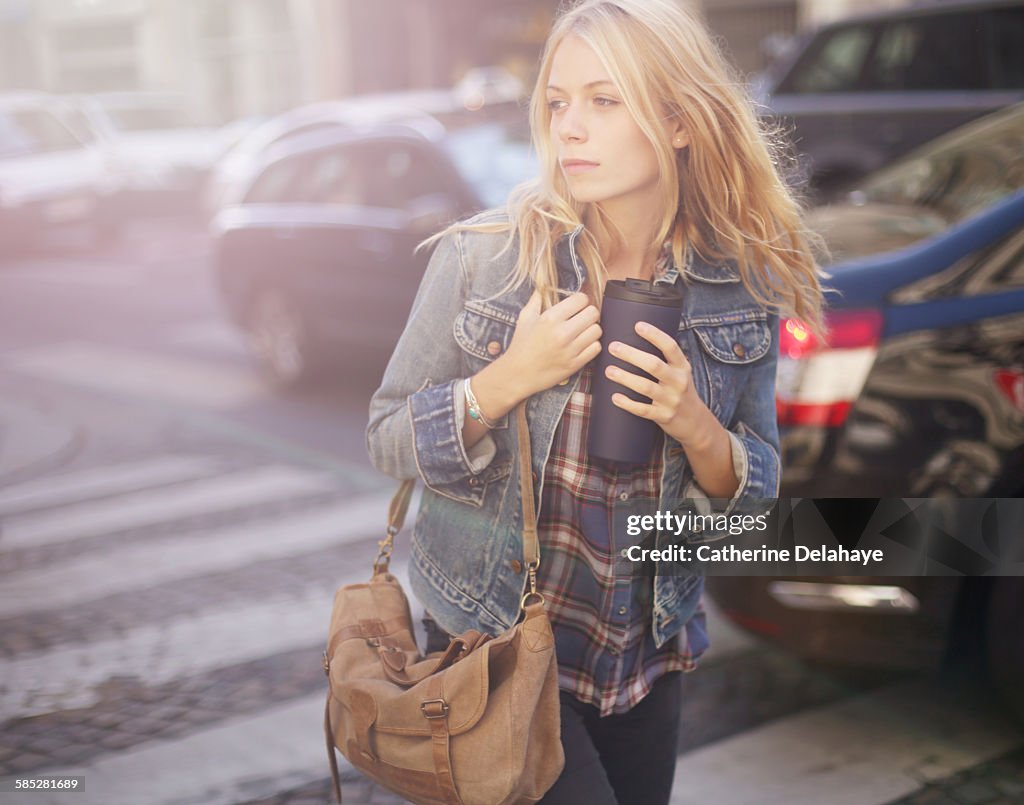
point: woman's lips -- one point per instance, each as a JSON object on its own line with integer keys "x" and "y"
{"x": 574, "y": 166}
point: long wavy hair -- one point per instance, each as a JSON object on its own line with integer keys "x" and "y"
{"x": 722, "y": 195}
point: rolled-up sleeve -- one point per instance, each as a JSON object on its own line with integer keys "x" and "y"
{"x": 416, "y": 416}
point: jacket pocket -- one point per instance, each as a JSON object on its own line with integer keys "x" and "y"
{"x": 482, "y": 331}
{"x": 729, "y": 346}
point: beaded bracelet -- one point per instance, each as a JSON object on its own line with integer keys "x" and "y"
{"x": 474, "y": 407}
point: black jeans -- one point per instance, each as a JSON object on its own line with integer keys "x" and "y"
{"x": 628, "y": 758}
{"x": 625, "y": 759}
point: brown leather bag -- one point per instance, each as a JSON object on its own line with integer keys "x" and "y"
{"x": 477, "y": 724}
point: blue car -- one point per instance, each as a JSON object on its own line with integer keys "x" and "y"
{"x": 918, "y": 392}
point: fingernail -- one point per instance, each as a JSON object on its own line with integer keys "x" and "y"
{"x": 613, "y": 347}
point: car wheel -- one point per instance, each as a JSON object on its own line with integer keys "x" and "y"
{"x": 278, "y": 337}
{"x": 1005, "y": 639}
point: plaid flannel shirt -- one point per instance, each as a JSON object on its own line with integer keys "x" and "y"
{"x": 600, "y": 612}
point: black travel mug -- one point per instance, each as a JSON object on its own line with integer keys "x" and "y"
{"x": 615, "y": 434}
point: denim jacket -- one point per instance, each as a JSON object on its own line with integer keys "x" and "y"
{"x": 466, "y": 566}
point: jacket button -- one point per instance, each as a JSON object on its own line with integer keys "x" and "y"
{"x": 516, "y": 566}
{"x": 493, "y": 348}
{"x": 739, "y": 350}
{"x": 474, "y": 482}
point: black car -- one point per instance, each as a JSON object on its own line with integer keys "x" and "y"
{"x": 859, "y": 92}
{"x": 917, "y": 393}
{"x": 316, "y": 261}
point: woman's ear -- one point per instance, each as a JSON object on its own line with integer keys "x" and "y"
{"x": 680, "y": 137}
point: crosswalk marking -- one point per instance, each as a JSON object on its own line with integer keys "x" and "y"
{"x": 68, "y": 677}
{"x": 141, "y": 374}
{"x": 251, "y": 757}
{"x": 868, "y": 749}
{"x": 78, "y": 485}
{"x": 151, "y": 507}
{"x": 190, "y": 554}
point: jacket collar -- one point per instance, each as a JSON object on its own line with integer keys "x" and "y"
{"x": 572, "y": 272}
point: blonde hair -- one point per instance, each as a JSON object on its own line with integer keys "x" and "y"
{"x": 722, "y": 195}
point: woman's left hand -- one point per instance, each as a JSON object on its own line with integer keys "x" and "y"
{"x": 675, "y": 405}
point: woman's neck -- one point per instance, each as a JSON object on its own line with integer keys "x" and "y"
{"x": 634, "y": 257}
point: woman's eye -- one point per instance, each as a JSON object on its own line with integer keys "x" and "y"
{"x": 605, "y": 101}
{"x": 554, "y": 106}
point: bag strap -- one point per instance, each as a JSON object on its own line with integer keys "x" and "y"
{"x": 531, "y": 543}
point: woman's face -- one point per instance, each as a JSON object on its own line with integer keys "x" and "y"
{"x": 601, "y": 151}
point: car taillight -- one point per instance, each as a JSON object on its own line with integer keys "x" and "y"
{"x": 818, "y": 382}
{"x": 1011, "y": 383}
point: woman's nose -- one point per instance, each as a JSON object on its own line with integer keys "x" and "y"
{"x": 570, "y": 126}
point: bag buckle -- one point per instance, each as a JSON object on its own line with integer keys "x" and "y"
{"x": 435, "y": 714}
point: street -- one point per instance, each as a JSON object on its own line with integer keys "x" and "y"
{"x": 172, "y": 530}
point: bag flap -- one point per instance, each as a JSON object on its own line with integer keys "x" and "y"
{"x": 464, "y": 688}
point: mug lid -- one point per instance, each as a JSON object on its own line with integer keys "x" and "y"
{"x": 644, "y": 291}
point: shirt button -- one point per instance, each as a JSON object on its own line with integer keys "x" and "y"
{"x": 623, "y": 495}
{"x": 739, "y": 350}
{"x": 623, "y": 610}
{"x": 493, "y": 348}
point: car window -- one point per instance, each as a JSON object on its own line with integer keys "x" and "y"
{"x": 400, "y": 173}
{"x": 928, "y": 53}
{"x": 283, "y": 182}
{"x": 33, "y": 131}
{"x": 833, "y": 63}
{"x": 958, "y": 175}
{"x": 1007, "y": 52}
{"x": 335, "y": 178}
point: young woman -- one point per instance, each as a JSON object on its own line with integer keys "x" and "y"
{"x": 652, "y": 166}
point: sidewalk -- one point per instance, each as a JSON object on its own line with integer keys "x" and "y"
{"x": 33, "y": 440}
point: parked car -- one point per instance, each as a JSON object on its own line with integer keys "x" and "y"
{"x": 316, "y": 258}
{"x": 918, "y": 392}
{"x": 862, "y": 91}
{"x": 481, "y": 93}
{"x": 53, "y": 186}
{"x": 161, "y": 156}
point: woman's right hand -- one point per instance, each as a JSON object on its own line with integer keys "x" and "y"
{"x": 546, "y": 348}
{"x": 549, "y": 347}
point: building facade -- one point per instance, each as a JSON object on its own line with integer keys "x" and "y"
{"x": 235, "y": 58}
